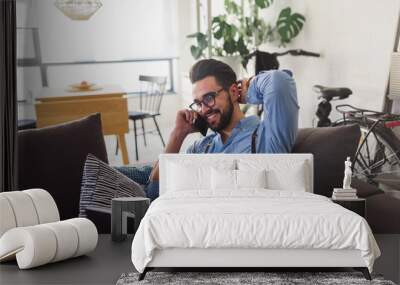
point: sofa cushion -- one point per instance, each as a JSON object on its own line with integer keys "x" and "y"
{"x": 53, "y": 157}
{"x": 382, "y": 213}
{"x": 330, "y": 147}
{"x": 101, "y": 183}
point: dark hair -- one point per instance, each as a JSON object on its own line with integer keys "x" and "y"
{"x": 222, "y": 72}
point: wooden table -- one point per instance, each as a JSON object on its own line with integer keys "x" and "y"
{"x": 56, "y": 106}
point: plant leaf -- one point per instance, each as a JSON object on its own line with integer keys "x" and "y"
{"x": 289, "y": 25}
{"x": 229, "y": 46}
{"x": 196, "y": 52}
{"x": 242, "y": 48}
{"x": 219, "y": 27}
{"x": 264, "y": 3}
{"x": 231, "y": 7}
{"x": 192, "y": 35}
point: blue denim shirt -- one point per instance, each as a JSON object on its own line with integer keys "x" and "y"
{"x": 276, "y": 132}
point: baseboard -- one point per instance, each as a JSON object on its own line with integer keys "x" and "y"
{"x": 388, "y": 263}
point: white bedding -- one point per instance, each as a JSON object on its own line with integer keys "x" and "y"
{"x": 252, "y": 218}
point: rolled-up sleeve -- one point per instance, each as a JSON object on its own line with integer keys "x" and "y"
{"x": 276, "y": 90}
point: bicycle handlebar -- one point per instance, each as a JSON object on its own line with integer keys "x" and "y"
{"x": 297, "y": 52}
{"x": 294, "y": 52}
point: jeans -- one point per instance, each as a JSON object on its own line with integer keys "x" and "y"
{"x": 152, "y": 190}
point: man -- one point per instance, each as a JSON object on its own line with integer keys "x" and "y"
{"x": 217, "y": 95}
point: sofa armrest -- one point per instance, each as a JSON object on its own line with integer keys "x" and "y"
{"x": 365, "y": 189}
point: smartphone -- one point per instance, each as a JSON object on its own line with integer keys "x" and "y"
{"x": 201, "y": 125}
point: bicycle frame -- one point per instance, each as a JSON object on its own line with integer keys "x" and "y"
{"x": 364, "y": 140}
{"x": 368, "y": 120}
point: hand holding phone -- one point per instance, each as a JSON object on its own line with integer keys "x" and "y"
{"x": 201, "y": 125}
{"x": 188, "y": 121}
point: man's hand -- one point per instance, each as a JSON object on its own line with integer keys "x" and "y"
{"x": 243, "y": 88}
{"x": 184, "y": 122}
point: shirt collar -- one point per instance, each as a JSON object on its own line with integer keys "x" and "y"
{"x": 247, "y": 123}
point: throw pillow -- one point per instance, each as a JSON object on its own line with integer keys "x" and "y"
{"x": 278, "y": 178}
{"x": 101, "y": 183}
{"x": 282, "y": 174}
{"x": 227, "y": 179}
{"x": 185, "y": 175}
{"x": 223, "y": 179}
{"x": 53, "y": 157}
{"x": 251, "y": 178}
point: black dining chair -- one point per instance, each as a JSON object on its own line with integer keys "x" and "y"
{"x": 151, "y": 95}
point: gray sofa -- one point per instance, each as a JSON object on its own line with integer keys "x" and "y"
{"x": 330, "y": 147}
{"x": 53, "y": 158}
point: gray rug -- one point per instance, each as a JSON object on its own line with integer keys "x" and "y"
{"x": 230, "y": 278}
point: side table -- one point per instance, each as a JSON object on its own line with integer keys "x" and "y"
{"x": 121, "y": 209}
{"x": 356, "y": 205}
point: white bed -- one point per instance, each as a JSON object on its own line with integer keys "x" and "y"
{"x": 267, "y": 218}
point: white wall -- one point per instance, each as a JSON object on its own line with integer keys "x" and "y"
{"x": 355, "y": 38}
{"x": 119, "y": 30}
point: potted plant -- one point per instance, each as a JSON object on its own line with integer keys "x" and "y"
{"x": 242, "y": 30}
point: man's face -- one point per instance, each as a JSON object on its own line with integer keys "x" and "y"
{"x": 219, "y": 115}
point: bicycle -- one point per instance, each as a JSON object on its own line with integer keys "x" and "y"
{"x": 377, "y": 159}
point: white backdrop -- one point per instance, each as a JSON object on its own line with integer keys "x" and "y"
{"x": 356, "y": 39}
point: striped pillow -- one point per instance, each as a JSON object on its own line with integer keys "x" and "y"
{"x": 101, "y": 183}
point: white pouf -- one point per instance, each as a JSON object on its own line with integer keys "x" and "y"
{"x": 31, "y": 232}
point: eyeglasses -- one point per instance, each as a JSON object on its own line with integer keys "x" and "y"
{"x": 208, "y": 100}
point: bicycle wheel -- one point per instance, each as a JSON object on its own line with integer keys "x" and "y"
{"x": 377, "y": 160}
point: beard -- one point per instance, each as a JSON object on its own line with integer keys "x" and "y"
{"x": 225, "y": 117}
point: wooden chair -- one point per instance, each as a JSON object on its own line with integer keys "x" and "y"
{"x": 151, "y": 94}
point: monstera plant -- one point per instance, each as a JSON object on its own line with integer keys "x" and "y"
{"x": 242, "y": 30}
